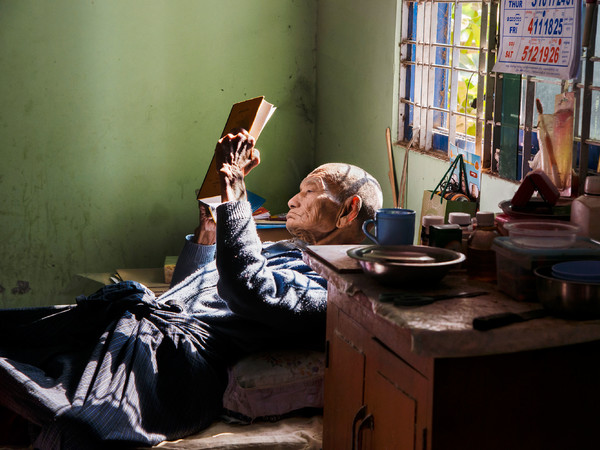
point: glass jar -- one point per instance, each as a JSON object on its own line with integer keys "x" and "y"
{"x": 481, "y": 259}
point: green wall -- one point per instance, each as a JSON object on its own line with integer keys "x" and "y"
{"x": 357, "y": 92}
{"x": 110, "y": 110}
{"x": 109, "y": 114}
{"x": 357, "y": 61}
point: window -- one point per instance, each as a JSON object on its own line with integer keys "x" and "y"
{"x": 444, "y": 71}
{"x": 449, "y": 92}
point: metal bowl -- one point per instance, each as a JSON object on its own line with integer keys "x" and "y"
{"x": 565, "y": 297}
{"x": 536, "y": 210}
{"x": 406, "y": 264}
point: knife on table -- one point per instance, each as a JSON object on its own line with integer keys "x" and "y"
{"x": 408, "y": 299}
{"x": 484, "y": 323}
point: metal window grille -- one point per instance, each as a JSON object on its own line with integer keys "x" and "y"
{"x": 449, "y": 93}
{"x": 443, "y": 74}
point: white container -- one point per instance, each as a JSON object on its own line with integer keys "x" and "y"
{"x": 585, "y": 209}
{"x": 463, "y": 220}
{"x": 426, "y": 222}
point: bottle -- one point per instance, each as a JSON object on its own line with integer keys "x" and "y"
{"x": 426, "y": 223}
{"x": 585, "y": 209}
{"x": 463, "y": 220}
{"x": 481, "y": 259}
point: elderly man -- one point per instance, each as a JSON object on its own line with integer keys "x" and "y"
{"x": 334, "y": 201}
{"x": 144, "y": 369}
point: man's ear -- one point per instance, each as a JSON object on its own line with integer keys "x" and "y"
{"x": 349, "y": 211}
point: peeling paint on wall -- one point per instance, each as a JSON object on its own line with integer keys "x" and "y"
{"x": 304, "y": 93}
{"x": 21, "y": 288}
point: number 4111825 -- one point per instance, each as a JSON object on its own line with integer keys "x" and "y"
{"x": 546, "y": 26}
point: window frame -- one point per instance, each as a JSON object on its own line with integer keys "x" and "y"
{"x": 417, "y": 101}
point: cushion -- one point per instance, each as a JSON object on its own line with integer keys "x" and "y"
{"x": 273, "y": 384}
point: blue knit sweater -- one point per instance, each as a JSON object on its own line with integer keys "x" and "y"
{"x": 254, "y": 297}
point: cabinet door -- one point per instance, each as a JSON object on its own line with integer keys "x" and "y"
{"x": 343, "y": 383}
{"x": 396, "y": 398}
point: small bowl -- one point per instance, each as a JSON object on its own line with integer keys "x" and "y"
{"x": 542, "y": 233}
{"x": 565, "y": 297}
{"x": 406, "y": 264}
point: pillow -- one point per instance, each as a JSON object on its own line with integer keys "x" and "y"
{"x": 272, "y": 384}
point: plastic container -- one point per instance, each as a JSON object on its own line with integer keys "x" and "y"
{"x": 463, "y": 220}
{"x": 501, "y": 220}
{"x": 542, "y": 234}
{"x": 585, "y": 209}
{"x": 426, "y": 223}
{"x": 515, "y": 264}
{"x": 481, "y": 259}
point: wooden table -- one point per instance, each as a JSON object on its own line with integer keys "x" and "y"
{"x": 423, "y": 378}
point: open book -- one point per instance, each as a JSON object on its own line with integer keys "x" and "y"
{"x": 251, "y": 115}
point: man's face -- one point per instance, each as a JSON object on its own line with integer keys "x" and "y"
{"x": 313, "y": 210}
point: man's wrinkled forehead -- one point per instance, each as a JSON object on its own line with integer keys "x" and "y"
{"x": 315, "y": 181}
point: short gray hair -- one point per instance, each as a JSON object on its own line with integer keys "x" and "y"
{"x": 346, "y": 180}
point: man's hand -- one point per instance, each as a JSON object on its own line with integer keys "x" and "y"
{"x": 236, "y": 157}
{"x": 206, "y": 232}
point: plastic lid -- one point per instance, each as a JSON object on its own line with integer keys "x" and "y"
{"x": 485, "y": 218}
{"x": 459, "y": 218}
{"x": 582, "y": 271}
{"x": 583, "y": 247}
{"x": 542, "y": 233}
{"x": 432, "y": 220}
{"x": 592, "y": 185}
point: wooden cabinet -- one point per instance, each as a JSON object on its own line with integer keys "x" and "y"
{"x": 396, "y": 399}
{"x": 415, "y": 379}
{"x": 373, "y": 398}
{"x": 344, "y": 378}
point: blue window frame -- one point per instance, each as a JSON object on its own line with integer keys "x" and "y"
{"x": 443, "y": 73}
{"x": 448, "y": 92}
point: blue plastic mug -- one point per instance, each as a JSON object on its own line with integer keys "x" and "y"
{"x": 393, "y": 226}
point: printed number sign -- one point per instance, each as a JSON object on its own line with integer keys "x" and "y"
{"x": 540, "y": 37}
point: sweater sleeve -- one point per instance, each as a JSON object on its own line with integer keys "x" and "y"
{"x": 289, "y": 296}
{"x": 192, "y": 257}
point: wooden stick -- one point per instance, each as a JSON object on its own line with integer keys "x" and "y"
{"x": 404, "y": 176}
{"x": 392, "y": 172}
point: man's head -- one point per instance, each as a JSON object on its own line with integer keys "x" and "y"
{"x": 334, "y": 201}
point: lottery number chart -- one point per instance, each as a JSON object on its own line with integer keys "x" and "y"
{"x": 540, "y": 37}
